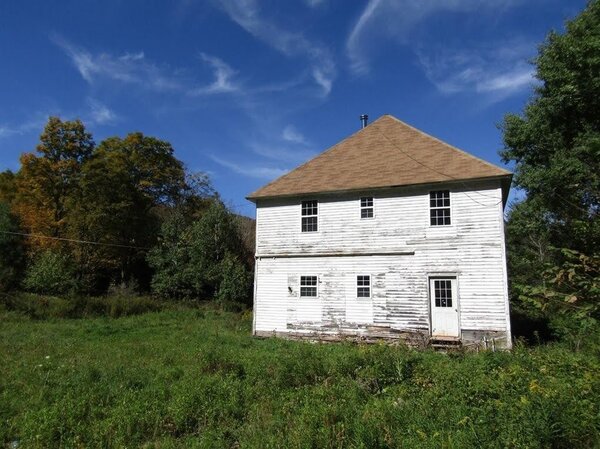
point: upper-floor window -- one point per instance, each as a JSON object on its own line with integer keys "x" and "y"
{"x": 308, "y": 286}
{"x": 439, "y": 207}
{"x": 363, "y": 286}
{"x": 309, "y": 216}
{"x": 366, "y": 207}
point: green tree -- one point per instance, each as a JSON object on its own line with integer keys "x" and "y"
{"x": 235, "y": 286}
{"x": 188, "y": 260}
{"x": 150, "y": 164}
{"x": 569, "y": 294}
{"x": 11, "y": 250}
{"x": 121, "y": 190}
{"x": 213, "y": 237}
{"x": 52, "y": 273}
{"x": 174, "y": 275}
{"x": 555, "y": 146}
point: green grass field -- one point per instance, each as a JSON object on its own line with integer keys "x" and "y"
{"x": 196, "y": 378}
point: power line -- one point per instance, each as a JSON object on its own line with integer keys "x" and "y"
{"x": 481, "y": 204}
{"x": 443, "y": 174}
{"x": 88, "y": 242}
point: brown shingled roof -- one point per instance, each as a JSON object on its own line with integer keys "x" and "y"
{"x": 386, "y": 153}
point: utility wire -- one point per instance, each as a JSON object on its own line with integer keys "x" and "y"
{"x": 88, "y": 242}
{"x": 443, "y": 174}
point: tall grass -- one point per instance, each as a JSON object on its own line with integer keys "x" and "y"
{"x": 114, "y": 305}
{"x": 195, "y": 378}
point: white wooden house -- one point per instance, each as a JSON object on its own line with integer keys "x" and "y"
{"x": 390, "y": 233}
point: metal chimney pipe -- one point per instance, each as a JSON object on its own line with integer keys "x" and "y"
{"x": 363, "y": 119}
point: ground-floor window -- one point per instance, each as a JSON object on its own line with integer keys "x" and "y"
{"x": 308, "y": 286}
{"x": 363, "y": 286}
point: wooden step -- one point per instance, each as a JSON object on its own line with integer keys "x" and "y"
{"x": 445, "y": 342}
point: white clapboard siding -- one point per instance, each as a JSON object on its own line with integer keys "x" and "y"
{"x": 399, "y": 250}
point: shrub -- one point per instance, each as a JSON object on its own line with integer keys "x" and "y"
{"x": 41, "y": 307}
{"x": 51, "y": 273}
{"x": 170, "y": 259}
{"x": 45, "y": 307}
{"x": 118, "y": 306}
{"x": 190, "y": 258}
{"x": 236, "y": 282}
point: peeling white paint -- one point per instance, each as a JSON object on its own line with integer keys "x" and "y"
{"x": 397, "y": 247}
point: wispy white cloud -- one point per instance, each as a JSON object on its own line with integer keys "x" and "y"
{"x": 282, "y": 153}
{"x": 93, "y": 112}
{"x": 314, "y": 3}
{"x": 397, "y": 18}
{"x": 33, "y": 124}
{"x": 132, "y": 68}
{"x": 291, "y": 146}
{"x": 275, "y": 87}
{"x": 132, "y": 56}
{"x": 135, "y": 68}
{"x": 26, "y": 127}
{"x": 99, "y": 113}
{"x": 322, "y": 78}
{"x": 291, "y": 134}
{"x": 223, "y": 74}
{"x": 358, "y": 61}
{"x": 517, "y": 79}
{"x": 250, "y": 171}
{"x": 247, "y": 14}
{"x": 498, "y": 70}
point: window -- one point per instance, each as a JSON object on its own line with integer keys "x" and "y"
{"x": 439, "y": 206}
{"x": 366, "y": 207}
{"x": 443, "y": 292}
{"x": 308, "y": 286}
{"x": 309, "y": 216}
{"x": 363, "y": 286}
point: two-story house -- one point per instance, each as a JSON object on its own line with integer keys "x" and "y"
{"x": 389, "y": 233}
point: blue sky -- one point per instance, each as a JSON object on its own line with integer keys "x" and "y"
{"x": 245, "y": 90}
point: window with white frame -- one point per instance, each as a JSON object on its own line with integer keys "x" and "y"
{"x": 363, "y": 286}
{"x": 309, "y": 216}
{"x": 366, "y": 207}
{"x": 439, "y": 207}
{"x": 308, "y": 286}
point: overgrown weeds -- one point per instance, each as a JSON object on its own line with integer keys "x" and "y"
{"x": 196, "y": 378}
{"x": 114, "y": 306}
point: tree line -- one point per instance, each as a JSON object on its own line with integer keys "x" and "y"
{"x": 81, "y": 217}
{"x": 553, "y": 235}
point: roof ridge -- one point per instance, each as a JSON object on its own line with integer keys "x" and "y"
{"x": 446, "y": 144}
{"x": 391, "y": 143}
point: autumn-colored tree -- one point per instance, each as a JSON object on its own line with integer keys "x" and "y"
{"x": 7, "y": 187}
{"x": 46, "y": 180}
{"x": 100, "y": 207}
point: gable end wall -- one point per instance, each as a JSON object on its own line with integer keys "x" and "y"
{"x": 398, "y": 248}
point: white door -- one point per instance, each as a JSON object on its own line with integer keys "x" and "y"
{"x": 444, "y": 307}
